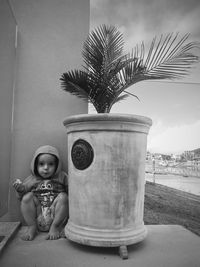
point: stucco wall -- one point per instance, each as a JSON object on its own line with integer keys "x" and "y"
{"x": 50, "y": 38}
{"x": 7, "y": 62}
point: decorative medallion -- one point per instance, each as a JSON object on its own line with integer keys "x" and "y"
{"x": 82, "y": 154}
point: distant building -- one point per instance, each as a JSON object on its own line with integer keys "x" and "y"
{"x": 189, "y": 155}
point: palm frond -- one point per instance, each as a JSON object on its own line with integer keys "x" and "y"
{"x": 128, "y": 93}
{"x": 75, "y": 82}
{"x": 102, "y": 53}
{"x": 120, "y": 98}
{"x": 102, "y": 47}
{"x": 108, "y": 72}
{"x": 170, "y": 58}
{"x": 167, "y": 58}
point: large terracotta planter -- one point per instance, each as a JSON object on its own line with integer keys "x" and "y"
{"x": 106, "y": 163}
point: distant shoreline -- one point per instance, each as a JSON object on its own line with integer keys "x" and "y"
{"x": 186, "y": 184}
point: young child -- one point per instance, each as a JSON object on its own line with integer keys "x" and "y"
{"x": 44, "y": 195}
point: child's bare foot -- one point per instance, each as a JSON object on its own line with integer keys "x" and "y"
{"x": 30, "y": 233}
{"x": 54, "y": 233}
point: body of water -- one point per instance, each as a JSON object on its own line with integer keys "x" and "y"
{"x": 187, "y": 184}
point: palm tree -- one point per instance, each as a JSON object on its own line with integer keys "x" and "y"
{"x": 108, "y": 72}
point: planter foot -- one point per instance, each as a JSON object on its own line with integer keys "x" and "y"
{"x": 123, "y": 252}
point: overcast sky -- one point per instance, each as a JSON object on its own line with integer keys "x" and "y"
{"x": 174, "y": 107}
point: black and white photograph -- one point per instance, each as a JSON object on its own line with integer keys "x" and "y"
{"x": 99, "y": 133}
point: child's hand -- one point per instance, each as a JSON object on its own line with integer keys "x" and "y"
{"x": 19, "y": 187}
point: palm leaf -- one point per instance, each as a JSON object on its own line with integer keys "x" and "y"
{"x": 75, "y": 82}
{"x": 102, "y": 52}
{"x": 108, "y": 72}
{"x": 120, "y": 98}
{"x": 102, "y": 48}
{"x": 170, "y": 58}
{"x": 166, "y": 59}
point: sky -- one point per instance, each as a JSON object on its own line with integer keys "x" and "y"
{"x": 174, "y": 107}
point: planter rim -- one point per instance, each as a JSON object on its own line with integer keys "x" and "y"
{"x": 108, "y": 117}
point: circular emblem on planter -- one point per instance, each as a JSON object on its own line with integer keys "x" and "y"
{"x": 82, "y": 154}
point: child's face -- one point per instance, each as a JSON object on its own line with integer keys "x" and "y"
{"x": 46, "y": 166}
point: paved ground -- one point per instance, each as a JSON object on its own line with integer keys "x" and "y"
{"x": 165, "y": 245}
{"x": 7, "y": 231}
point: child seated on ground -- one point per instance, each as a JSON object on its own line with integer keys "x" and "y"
{"x": 44, "y": 195}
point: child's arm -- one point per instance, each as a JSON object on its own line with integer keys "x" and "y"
{"x": 19, "y": 187}
{"x": 26, "y": 186}
{"x": 61, "y": 183}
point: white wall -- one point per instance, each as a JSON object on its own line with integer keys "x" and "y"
{"x": 50, "y": 38}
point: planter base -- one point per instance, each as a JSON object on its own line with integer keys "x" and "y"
{"x": 104, "y": 237}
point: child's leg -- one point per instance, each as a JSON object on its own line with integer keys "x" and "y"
{"x": 60, "y": 215}
{"x": 29, "y": 209}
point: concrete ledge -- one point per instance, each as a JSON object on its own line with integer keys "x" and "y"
{"x": 165, "y": 246}
{"x": 7, "y": 231}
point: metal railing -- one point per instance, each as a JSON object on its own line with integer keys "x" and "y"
{"x": 182, "y": 169}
